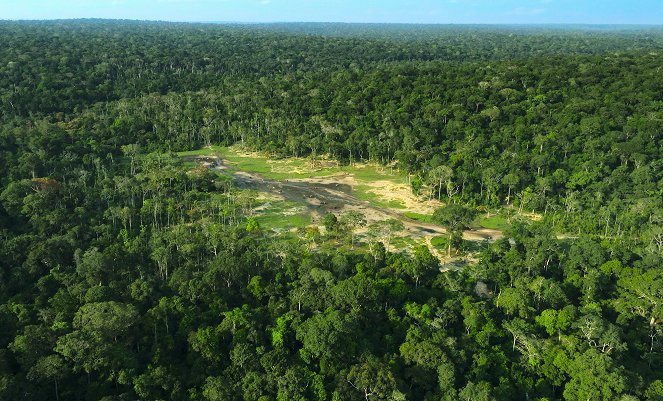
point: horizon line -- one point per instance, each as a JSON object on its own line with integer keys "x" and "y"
{"x": 638, "y": 24}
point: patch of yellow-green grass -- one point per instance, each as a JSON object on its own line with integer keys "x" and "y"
{"x": 424, "y": 218}
{"x": 276, "y": 221}
{"x": 248, "y": 164}
{"x": 440, "y": 242}
{"x": 281, "y": 215}
{"x": 494, "y": 223}
{"x": 291, "y": 168}
{"x": 363, "y": 192}
{"x": 373, "y": 173}
{"x": 280, "y": 169}
{"x": 308, "y": 174}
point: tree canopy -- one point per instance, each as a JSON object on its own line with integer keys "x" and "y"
{"x": 127, "y": 273}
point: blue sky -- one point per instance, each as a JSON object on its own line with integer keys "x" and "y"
{"x": 412, "y": 11}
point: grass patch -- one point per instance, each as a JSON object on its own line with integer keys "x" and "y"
{"x": 282, "y": 222}
{"x": 374, "y": 173}
{"x": 278, "y": 169}
{"x": 424, "y": 218}
{"x": 440, "y": 241}
{"x": 363, "y": 192}
{"x": 293, "y": 168}
{"x": 248, "y": 164}
{"x": 282, "y": 215}
{"x": 281, "y": 169}
{"x": 494, "y": 223}
{"x": 309, "y": 174}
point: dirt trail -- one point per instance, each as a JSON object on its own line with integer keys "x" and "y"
{"x": 335, "y": 194}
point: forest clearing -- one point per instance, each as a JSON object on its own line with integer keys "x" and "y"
{"x": 292, "y": 192}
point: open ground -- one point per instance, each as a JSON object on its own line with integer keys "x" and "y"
{"x": 291, "y": 193}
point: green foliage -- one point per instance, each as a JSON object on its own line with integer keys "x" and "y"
{"x": 593, "y": 376}
{"x": 455, "y": 218}
{"x": 373, "y": 379}
{"x": 252, "y": 225}
{"x": 128, "y": 272}
{"x": 280, "y": 332}
{"x": 330, "y": 222}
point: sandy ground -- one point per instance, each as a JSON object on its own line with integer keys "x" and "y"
{"x": 335, "y": 194}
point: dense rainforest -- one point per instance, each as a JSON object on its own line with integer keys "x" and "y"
{"x": 126, "y": 274}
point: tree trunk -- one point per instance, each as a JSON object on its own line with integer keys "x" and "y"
{"x": 449, "y": 246}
